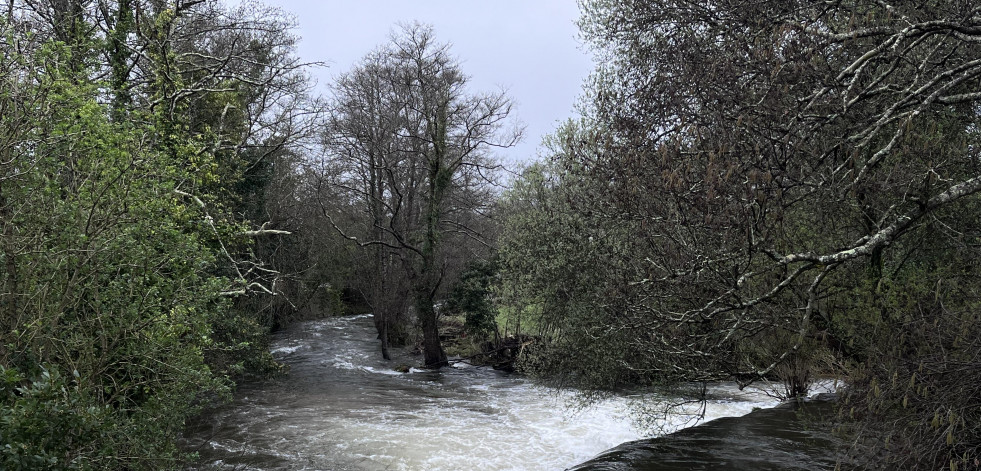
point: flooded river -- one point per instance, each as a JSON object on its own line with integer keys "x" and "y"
{"x": 342, "y": 407}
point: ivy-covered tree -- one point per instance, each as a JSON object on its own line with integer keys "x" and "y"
{"x": 406, "y": 158}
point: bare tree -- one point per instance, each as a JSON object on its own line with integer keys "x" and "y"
{"x": 405, "y": 138}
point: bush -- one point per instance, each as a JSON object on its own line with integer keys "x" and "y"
{"x": 46, "y": 422}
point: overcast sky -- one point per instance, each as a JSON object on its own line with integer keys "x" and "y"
{"x": 528, "y": 47}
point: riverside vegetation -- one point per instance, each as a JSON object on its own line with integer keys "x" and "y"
{"x": 752, "y": 190}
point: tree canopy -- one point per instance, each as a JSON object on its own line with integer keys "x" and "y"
{"x": 406, "y": 169}
{"x": 771, "y": 190}
{"x": 130, "y": 132}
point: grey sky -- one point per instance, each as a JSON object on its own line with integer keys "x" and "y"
{"x": 529, "y": 47}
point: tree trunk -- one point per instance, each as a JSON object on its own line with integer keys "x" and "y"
{"x": 380, "y": 303}
{"x": 435, "y": 356}
{"x": 426, "y": 284}
{"x": 384, "y": 337}
{"x": 428, "y": 281}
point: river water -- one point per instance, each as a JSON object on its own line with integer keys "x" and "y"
{"x": 342, "y": 407}
{"x": 783, "y": 438}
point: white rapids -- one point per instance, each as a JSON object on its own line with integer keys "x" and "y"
{"x": 342, "y": 407}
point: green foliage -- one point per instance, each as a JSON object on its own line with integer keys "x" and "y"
{"x": 910, "y": 338}
{"x": 471, "y": 296}
{"x": 46, "y": 423}
{"x": 111, "y": 282}
{"x": 569, "y": 270}
{"x": 542, "y": 258}
{"x": 114, "y": 264}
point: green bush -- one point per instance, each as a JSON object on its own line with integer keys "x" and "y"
{"x": 46, "y": 422}
{"x": 471, "y": 296}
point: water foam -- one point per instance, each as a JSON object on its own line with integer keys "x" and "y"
{"x": 344, "y": 408}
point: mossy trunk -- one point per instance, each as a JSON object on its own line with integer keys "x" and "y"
{"x": 429, "y": 277}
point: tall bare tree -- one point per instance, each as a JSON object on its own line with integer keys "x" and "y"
{"x": 405, "y": 148}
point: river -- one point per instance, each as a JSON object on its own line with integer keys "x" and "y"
{"x": 342, "y": 407}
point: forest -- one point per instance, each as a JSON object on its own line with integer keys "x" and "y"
{"x": 752, "y": 191}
